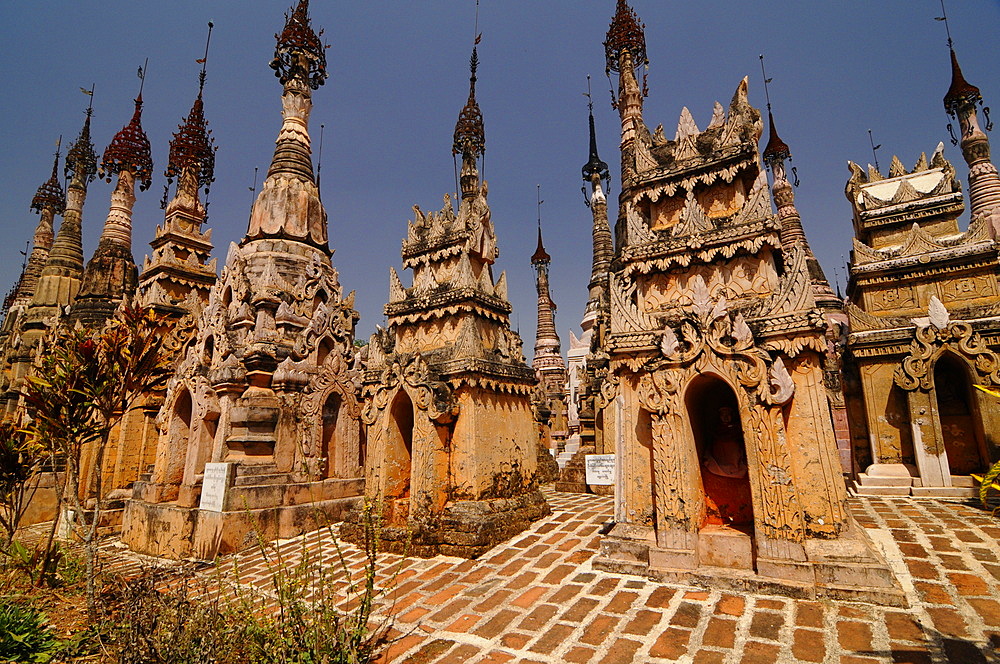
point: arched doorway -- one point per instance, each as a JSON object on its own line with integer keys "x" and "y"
{"x": 960, "y": 429}
{"x": 331, "y": 412}
{"x": 715, "y": 422}
{"x": 179, "y": 433}
{"x": 399, "y": 457}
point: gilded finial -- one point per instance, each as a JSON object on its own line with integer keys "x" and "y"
{"x": 470, "y": 133}
{"x": 299, "y": 52}
{"x": 192, "y": 146}
{"x": 81, "y": 158}
{"x": 625, "y": 34}
{"x": 50, "y": 194}
{"x": 129, "y": 150}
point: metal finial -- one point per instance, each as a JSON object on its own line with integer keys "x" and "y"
{"x": 944, "y": 19}
{"x": 538, "y": 204}
{"x": 204, "y": 60}
{"x": 871, "y": 140}
{"x": 299, "y": 53}
{"x": 767, "y": 95}
{"x": 253, "y": 187}
{"x": 319, "y": 155}
{"x": 142, "y": 76}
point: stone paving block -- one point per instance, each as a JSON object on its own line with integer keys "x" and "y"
{"x": 431, "y": 651}
{"x": 720, "y": 633}
{"x": 495, "y": 625}
{"x": 551, "y": 639}
{"x": 579, "y": 655}
{"x": 854, "y": 636}
{"x": 730, "y": 605}
{"x": 766, "y": 625}
{"x": 515, "y": 640}
{"x": 808, "y": 646}
{"x": 644, "y": 622}
{"x": 671, "y": 644}
{"x": 755, "y": 652}
{"x": 604, "y": 586}
{"x": 621, "y": 602}
{"x": 538, "y": 618}
{"x": 687, "y": 615}
{"x": 597, "y": 629}
{"x": 530, "y": 597}
{"x": 660, "y": 597}
{"x": 463, "y": 624}
{"x": 579, "y": 610}
{"x": 902, "y": 627}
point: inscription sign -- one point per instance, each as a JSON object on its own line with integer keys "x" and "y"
{"x": 214, "y": 486}
{"x": 600, "y": 469}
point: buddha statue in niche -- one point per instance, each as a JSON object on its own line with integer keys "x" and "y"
{"x": 725, "y": 475}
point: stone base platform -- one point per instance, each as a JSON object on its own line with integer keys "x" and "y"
{"x": 847, "y": 568}
{"x": 258, "y": 512}
{"x": 466, "y": 528}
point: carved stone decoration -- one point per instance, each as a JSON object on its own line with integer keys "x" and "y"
{"x": 928, "y": 344}
{"x": 937, "y": 313}
{"x": 715, "y": 331}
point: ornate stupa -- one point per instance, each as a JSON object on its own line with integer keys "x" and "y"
{"x": 111, "y": 275}
{"x": 261, "y": 412}
{"x": 726, "y": 452}
{"x": 925, "y": 300}
{"x": 448, "y": 397}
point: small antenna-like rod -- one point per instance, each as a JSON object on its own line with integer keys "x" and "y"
{"x": 204, "y": 60}
{"x": 587, "y": 94}
{"x": 253, "y": 188}
{"x": 90, "y": 93}
{"x": 944, "y": 18}
{"x": 538, "y": 204}
{"x": 767, "y": 95}
{"x": 874, "y": 150}
{"x": 142, "y": 75}
{"x": 319, "y": 156}
{"x": 475, "y": 30}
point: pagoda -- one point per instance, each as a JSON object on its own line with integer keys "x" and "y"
{"x": 925, "y": 315}
{"x": 448, "y": 397}
{"x": 259, "y": 425}
{"x": 726, "y": 456}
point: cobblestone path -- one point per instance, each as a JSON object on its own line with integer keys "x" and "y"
{"x": 538, "y": 599}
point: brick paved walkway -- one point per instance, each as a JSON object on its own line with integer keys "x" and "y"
{"x": 538, "y": 599}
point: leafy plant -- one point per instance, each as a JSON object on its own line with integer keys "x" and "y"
{"x": 989, "y": 482}
{"x": 20, "y": 460}
{"x": 39, "y": 564}
{"x": 24, "y": 635}
{"x": 83, "y": 385}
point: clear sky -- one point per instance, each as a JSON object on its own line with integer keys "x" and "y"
{"x": 399, "y": 76}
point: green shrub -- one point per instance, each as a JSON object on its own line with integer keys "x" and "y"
{"x": 24, "y": 635}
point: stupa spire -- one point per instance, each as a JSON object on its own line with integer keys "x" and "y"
{"x": 470, "y": 132}
{"x": 111, "y": 274}
{"x": 548, "y": 362}
{"x": 625, "y": 51}
{"x": 961, "y": 102}
{"x": 776, "y": 152}
{"x": 48, "y": 201}
{"x": 192, "y": 149}
{"x": 594, "y": 172}
{"x": 65, "y": 260}
{"x": 289, "y": 205}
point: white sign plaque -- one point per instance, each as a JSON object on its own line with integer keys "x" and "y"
{"x": 601, "y": 469}
{"x": 214, "y": 485}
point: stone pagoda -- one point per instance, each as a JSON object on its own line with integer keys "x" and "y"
{"x": 175, "y": 284}
{"x": 47, "y": 202}
{"x": 448, "y": 397}
{"x": 586, "y": 357}
{"x": 60, "y": 277}
{"x": 111, "y": 275}
{"x": 259, "y": 426}
{"x": 925, "y": 316}
{"x": 548, "y": 362}
{"x": 726, "y": 464}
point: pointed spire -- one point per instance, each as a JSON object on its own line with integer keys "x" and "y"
{"x": 625, "y": 34}
{"x": 50, "y": 194}
{"x": 594, "y": 166}
{"x": 288, "y": 205}
{"x": 470, "y": 133}
{"x": 961, "y": 92}
{"x": 129, "y": 151}
{"x": 81, "y": 159}
{"x": 192, "y": 147}
{"x": 299, "y": 53}
{"x": 540, "y": 255}
{"x": 776, "y": 149}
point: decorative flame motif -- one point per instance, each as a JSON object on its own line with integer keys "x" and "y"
{"x": 625, "y": 34}
{"x": 192, "y": 148}
{"x": 129, "y": 151}
{"x": 81, "y": 159}
{"x": 299, "y": 52}
{"x": 470, "y": 134}
{"x": 50, "y": 194}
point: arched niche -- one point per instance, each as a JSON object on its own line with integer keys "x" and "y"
{"x": 330, "y": 421}
{"x": 399, "y": 450}
{"x": 643, "y": 479}
{"x": 958, "y": 413}
{"x": 179, "y": 435}
{"x": 714, "y": 416}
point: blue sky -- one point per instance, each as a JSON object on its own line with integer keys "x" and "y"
{"x": 399, "y": 76}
